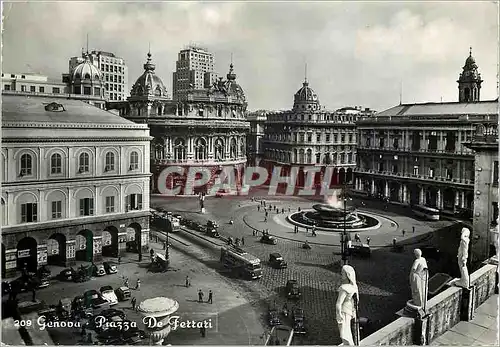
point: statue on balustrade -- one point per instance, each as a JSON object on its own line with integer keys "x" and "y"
{"x": 419, "y": 278}
{"x": 462, "y": 256}
{"x": 346, "y": 304}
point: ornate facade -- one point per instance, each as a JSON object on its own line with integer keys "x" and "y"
{"x": 75, "y": 182}
{"x": 202, "y": 127}
{"x": 415, "y": 154}
{"x": 308, "y": 136}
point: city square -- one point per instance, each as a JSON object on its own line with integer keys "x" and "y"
{"x": 190, "y": 173}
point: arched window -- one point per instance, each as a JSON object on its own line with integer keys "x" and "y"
{"x": 55, "y": 163}
{"x": 134, "y": 160}
{"x": 179, "y": 149}
{"x": 301, "y": 156}
{"x": 309, "y": 156}
{"x": 158, "y": 91}
{"x": 77, "y": 75}
{"x": 200, "y": 148}
{"x": 26, "y": 165}
{"x": 84, "y": 163}
{"x": 110, "y": 162}
{"x": 233, "y": 150}
{"x": 219, "y": 149}
{"x": 87, "y": 76}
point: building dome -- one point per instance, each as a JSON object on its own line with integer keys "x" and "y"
{"x": 149, "y": 84}
{"x": 306, "y": 98}
{"x": 470, "y": 69}
{"x": 86, "y": 71}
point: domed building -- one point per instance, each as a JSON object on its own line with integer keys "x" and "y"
{"x": 311, "y": 138}
{"x": 202, "y": 127}
{"x": 87, "y": 80}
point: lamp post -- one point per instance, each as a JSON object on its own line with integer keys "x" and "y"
{"x": 167, "y": 255}
{"x": 344, "y": 238}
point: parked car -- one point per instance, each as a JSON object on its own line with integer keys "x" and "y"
{"x": 110, "y": 268}
{"x": 277, "y": 261}
{"x": 98, "y": 270}
{"x": 109, "y": 295}
{"x": 270, "y": 240}
{"x": 67, "y": 274}
{"x": 110, "y": 312}
{"x": 83, "y": 274}
{"x": 133, "y": 336}
{"x": 293, "y": 290}
{"x": 212, "y": 224}
{"x": 123, "y": 293}
{"x": 361, "y": 249}
{"x": 273, "y": 317}
{"x": 100, "y": 323}
{"x": 213, "y": 233}
{"x": 94, "y": 299}
{"x": 111, "y": 337}
{"x": 298, "y": 321}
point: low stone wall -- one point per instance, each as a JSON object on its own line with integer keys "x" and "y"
{"x": 444, "y": 312}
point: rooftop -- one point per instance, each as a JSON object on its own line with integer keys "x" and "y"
{"x": 442, "y": 108}
{"x": 29, "y": 109}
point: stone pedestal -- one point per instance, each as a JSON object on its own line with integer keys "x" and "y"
{"x": 156, "y": 314}
{"x": 467, "y": 304}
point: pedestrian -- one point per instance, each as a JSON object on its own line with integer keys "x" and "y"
{"x": 89, "y": 338}
{"x": 242, "y": 241}
{"x": 188, "y": 284}
{"x": 253, "y": 232}
{"x": 413, "y": 229}
{"x": 83, "y": 332}
{"x": 265, "y": 219}
{"x": 357, "y": 238}
{"x": 403, "y": 231}
{"x": 203, "y": 331}
{"x": 138, "y": 284}
{"x": 258, "y": 208}
{"x": 119, "y": 259}
{"x": 126, "y": 282}
{"x": 299, "y": 209}
{"x": 267, "y": 214}
{"x": 200, "y": 296}
{"x": 289, "y": 209}
{"x": 133, "y": 302}
{"x": 165, "y": 245}
{"x": 368, "y": 240}
{"x": 282, "y": 210}
{"x": 210, "y": 296}
{"x": 394, "y": 241}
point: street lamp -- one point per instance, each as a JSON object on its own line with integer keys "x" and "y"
{"x": 344, "y": 238}
{"x": 167, "y": 245}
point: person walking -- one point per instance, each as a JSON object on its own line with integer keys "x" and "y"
{"x": 265, "y": 219}
{"x": 267, "y": 214}
{"x": 138, "y": 285}
{"x": 188, "y": 284}
{"x": 258, "y": 208}
{"x": 210, "y": 296}
{"x": 413, "y": 229}
{"x": 403, "y": 232}
{"x": 126, "y": 283}
{"x": 242, "y": 241}
{"x": 394, "y": 242}
{"x": 119, "y": 259}
{"x": 200, "y": 296}
{"x": 368, "y": 240}
{"x": 133, "y": 302}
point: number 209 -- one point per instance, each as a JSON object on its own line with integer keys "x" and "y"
{"x": 22, "y": 323}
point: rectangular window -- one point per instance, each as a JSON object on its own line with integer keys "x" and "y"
{"x": 87, "y": 207}
{"x": 342, "y": 138}
{"x": 110, "y": 204}
{"x": 327, "y": 139}
{"x": 86, "y": 90}
{"x": 23, "y": 88}
{"x": 495, "y": 173}
{"x": 318, "y": 137}
{"x": 41, "y": 89}
{"x": 56, "y": 209}
{"x": 309, "y": 137}
{"x": 134, "y": 202}
{"x": 56, "y": 90}
{"x": 6, "y": 87}
{"x": 301, "y": 137}
{"x": 28, "y": 213}
{"x": 350, "y": 138}
{"x": 32, "y": 89}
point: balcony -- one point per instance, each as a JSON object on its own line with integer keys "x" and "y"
{"x": 193, "y": 162}
{"x": 425, "y": 178}
{"x": 444, "y": 152}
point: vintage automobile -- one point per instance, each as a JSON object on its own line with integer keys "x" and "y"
{"x": 298, "y": 320}
{"x": 83, "y": 274}
{"x": 109, "y": 295}
{"x": 98, "y": 270}
{"x": 268, "y": 239}
{"x": 361, "y": 249}
{"x": 277, "y": 261}
{"x": 110, "y": 312}
{"x": 273, "y": 317}
{"x": 110, "y": 268}
{"x": 64, "y": 308}
{"x": 67, "y": 274}
{"x": 94, "y": 299}
{"x": 123, "y": 293}
{"x": 293, "y": 290}
{"x": 212, "y": 224}
{"x": 212, "y": 233}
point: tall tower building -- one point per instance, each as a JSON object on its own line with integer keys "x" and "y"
{"x": 469, "y": 82}
{"x": 194, "y": 70}
{"x": 114, "y": 70}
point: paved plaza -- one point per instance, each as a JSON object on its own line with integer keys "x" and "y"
{"x": 317, "y": 270}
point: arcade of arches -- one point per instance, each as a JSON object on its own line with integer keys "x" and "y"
{"x": 442, "y": 198}
{"x": 65, "y": 246}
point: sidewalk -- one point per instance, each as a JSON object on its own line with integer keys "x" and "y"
{"x": 481, "y": 331}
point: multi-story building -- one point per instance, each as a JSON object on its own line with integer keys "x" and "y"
{"x": 255, "y": 148}
{"x": 194, "y": 70}
{"x": 308, "y": 136}
{"x": 202, "y": 127}
{"x": 75, "y": 182}
{"x": 415, "y": 153}
{"x": 485, "y": 221}
{"x": 114, "y": 72}
{"x": 32, "y": 83}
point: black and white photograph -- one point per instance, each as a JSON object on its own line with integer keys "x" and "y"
{"x": 250, "y": 173}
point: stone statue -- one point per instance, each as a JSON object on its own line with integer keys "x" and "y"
{"x": 345, "y": 307}
{"x": 419, "y": 280}
{"x": 463, "y": 254}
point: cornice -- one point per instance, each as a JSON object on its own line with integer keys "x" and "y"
{"x": 85, "y": 126}
{"x": 75, "y": 139}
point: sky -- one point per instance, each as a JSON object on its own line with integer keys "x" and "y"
{"x": 357, "y": 53}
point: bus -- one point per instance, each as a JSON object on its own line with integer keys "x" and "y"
{"x": 425, "y": 212}
{"x": 242, "y": 263}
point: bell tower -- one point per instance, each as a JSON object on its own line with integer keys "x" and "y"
{"x": 469, "y": 81}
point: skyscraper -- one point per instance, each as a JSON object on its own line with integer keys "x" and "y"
{"x": 114, "y": 70}
{"x": 194, "y": 70}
